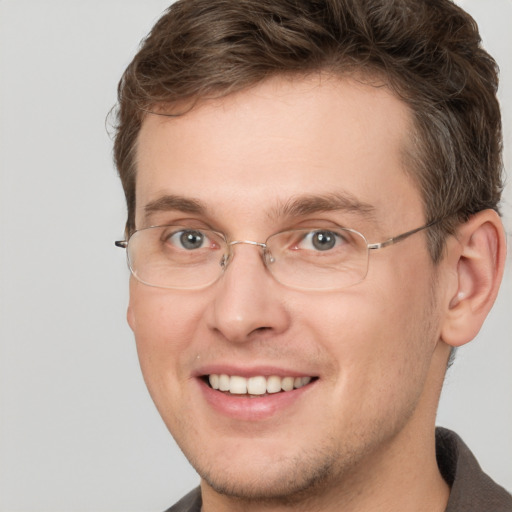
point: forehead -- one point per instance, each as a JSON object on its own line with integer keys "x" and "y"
{"x": 257, "y": 150}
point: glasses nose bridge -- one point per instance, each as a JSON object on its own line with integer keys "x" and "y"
{"x": 249, "y": 242}
{"x": 229, "y": 256}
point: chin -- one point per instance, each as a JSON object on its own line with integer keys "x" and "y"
{"x": 280, "y": 480}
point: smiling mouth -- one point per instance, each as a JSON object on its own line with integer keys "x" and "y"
{"x": 255, "y": 386}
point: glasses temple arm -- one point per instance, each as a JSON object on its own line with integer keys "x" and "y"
{"x": 403, "y": 236}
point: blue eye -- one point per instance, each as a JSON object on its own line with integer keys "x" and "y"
{"x": 321, "y": 240}
{"x": 189, "y": 239}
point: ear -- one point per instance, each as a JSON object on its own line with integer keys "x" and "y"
{"x": 476, "y": 259}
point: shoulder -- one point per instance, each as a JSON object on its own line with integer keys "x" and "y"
{"x": 189, "y": 503}
{"x": 471, "y": 489}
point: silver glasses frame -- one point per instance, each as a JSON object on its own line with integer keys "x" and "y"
{"x": 268, "y": 256}
{"x": 402, "y": 236}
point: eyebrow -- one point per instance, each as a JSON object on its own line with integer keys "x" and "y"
{"x": 308, "y": 204}
{"x": 298, "y": 206}
{"x": 173, "y": 202}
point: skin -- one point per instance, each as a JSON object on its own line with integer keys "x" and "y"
{"x": 361, "y": 437}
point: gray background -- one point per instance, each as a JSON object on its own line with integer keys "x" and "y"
{"x": 78, "y": 429}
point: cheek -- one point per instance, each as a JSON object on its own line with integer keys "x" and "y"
{"x": 164, "y": 324}
{"x": 379, "y": 335}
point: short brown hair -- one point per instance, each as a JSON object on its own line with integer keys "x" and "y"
{"x": 427, "y": 51}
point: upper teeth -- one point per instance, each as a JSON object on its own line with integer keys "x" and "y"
{"x": 256, "y": 385}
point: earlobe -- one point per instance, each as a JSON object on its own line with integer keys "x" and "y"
{"x": 477, "y": 261}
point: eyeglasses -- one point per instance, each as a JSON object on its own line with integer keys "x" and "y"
{"x": 181, "y": 257}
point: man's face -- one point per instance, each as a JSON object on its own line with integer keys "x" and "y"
{"x": 367, "y": 348}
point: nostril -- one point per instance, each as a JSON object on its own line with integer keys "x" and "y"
{"x": 262, "y": 329}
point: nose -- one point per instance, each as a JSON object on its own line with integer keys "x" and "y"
{"x": 247, "y": 301}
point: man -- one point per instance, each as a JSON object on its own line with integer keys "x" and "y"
{"x": 312, "y": 193}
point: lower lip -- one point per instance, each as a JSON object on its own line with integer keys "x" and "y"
{"x": 252, "y": 408}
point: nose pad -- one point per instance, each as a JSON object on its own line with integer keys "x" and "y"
{"x": 267, "y": 257}
{"x": 224, "y": 261}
